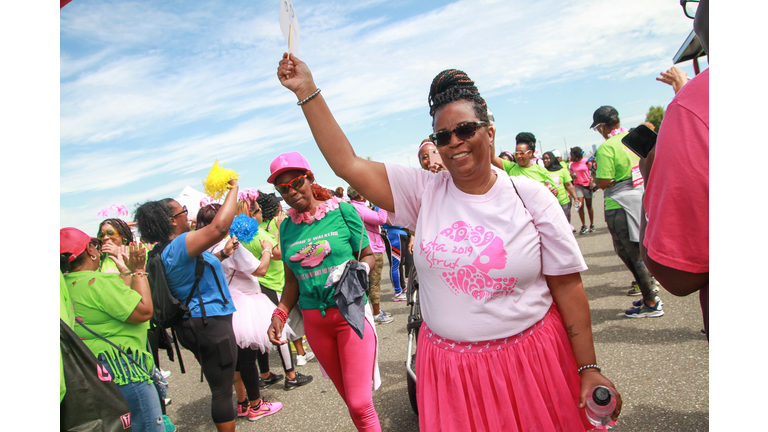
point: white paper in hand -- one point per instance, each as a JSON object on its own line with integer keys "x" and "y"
{"x": 289, "y": 24}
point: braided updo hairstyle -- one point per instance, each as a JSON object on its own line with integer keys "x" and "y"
{"x": 453, "y": 85}
{"x": 269, "y": 205}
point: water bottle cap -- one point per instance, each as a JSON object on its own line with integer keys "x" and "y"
{"x": 601, "y": 396}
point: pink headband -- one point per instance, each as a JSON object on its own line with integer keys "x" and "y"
{"x": 423, "y": 144}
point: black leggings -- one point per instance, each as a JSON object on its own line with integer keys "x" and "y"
{"x": 629, "y": 251}
{"x": 217, "y": 358}
{"x": 249, "y": 373}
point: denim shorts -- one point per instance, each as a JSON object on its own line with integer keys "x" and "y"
{"x": 143, "y": 400}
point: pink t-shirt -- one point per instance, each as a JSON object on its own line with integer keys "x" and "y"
{"x": 373, "y": 221}
{"x": 581, "y": 171}
{"x": 481, "y": 259}
{"x": 677, "y": 193}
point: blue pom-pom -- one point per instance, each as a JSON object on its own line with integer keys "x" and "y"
{"x": 244, "y": 228}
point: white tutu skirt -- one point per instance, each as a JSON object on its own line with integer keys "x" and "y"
{"x": 252, "y": 320}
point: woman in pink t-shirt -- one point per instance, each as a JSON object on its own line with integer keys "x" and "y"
{"x": 582, "y": 182}
{"x": 506, "y": 342}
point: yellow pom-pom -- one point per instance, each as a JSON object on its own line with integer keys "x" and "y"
{"x": 217, "y": 182}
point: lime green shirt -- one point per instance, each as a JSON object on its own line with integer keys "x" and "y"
{"x": 104, "y": 303}
{"x": 67, "y": 314}
{"x": 536, "y": 172}
{"x": 275, "y": 277}
{"x": 559, "y": 179}
{"x": 615, "y": 161}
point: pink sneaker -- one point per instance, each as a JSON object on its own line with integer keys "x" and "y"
{"x": 303, "y": 252}
{"x": 316, "y": 256}
{"x": 242, "y": 408}
{"x": 264, "y": 410}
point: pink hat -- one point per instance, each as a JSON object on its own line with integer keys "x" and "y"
{"x": 74, "y": 241}
{"x": 286, "y": 162}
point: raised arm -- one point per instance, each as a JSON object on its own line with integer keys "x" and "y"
{"x": 367, "y": 177}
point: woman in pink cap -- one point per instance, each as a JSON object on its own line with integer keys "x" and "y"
{"x": 321, "y": 233}
{"x": 117, "y": 313}
{"x": 506, "y": 342}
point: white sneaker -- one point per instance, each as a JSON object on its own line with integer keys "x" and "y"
{"x": 302, "y": 360}
{"x": 167, "y": 401}
{"x": 165, "y": 373}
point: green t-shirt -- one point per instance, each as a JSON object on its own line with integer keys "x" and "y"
{"x": 275, "y": 277}
{"x": 559, "y": 179}
{"x": 312, "y": 251}
{"x": 536, "y": 172}
{"x": 104, "y": 307}
{"x": 269, "y": 226}
{"x": 68, "y": 316}
{"x": 615, "y": 161}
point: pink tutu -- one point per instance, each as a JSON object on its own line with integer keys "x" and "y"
{"x": 526, "y": 382}
{"x": 252, "y": 319}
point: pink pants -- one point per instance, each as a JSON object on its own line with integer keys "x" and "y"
{"x": 348, "y": 361}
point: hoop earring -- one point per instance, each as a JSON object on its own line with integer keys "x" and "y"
{"x": 93, "y": 258}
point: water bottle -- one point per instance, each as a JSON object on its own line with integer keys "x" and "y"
{"x": 601, "y": 402}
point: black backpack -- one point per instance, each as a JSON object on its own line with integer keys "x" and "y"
{"x": 92, "y": 402}
{"x": 167, "y": 310}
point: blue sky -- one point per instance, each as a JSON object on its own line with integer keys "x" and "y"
{"x": 151, "y": 93}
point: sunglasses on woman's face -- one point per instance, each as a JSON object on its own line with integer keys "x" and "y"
{"x": 295, "y": 183}
{"x": 181, "y": 212}
{"x": 108, "y": 233}
{"x": 463, "y": 131}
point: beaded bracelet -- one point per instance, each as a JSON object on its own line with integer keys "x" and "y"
{"x": 588, "y": 367}
{"x": 302, "y": 102}
{"x": 280, "y": 314}
{"x": 140, "y": 274}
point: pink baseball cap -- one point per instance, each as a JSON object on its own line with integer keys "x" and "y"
{"x": 74, "y": 241}
{"x": 286, "y": 162}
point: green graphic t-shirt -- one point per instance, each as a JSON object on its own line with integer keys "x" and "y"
{"x": 615, "y": 161}
{"x": 104, "y": 303}
{"x": 275, "y": 277}
{"x": 559, "y": 179}
{"x": 311, "y": 251}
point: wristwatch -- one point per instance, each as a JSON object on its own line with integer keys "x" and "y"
{"x": 223, "y": 255}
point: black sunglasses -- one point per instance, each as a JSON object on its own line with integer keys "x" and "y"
{"x": 181, "y": 212}
{"x": 689, "y": 7}
{"x": 463, "y": 131}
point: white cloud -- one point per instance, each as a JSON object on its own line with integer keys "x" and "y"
{"x": 162, "y": 91}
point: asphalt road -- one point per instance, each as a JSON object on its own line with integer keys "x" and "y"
{"x": 660, "y": 365}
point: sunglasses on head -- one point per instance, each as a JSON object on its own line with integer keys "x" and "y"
{"x": 181, "y": 212}
{"x": 108, "y": 233}
{"x": 463, "y": 131}
{"x": 295, "y": 183}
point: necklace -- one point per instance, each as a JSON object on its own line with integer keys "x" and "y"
{"x": 489, "y": 182}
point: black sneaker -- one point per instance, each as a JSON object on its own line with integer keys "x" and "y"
{"x": 273, "y": 378}
{"x": 591, "y": 228}
{"x": 297, "y": 381}
{"x": 583, "y": 229}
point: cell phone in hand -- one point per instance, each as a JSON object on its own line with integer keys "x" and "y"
{"x": 640, "y": 140}
{"x": 434, "y": 157}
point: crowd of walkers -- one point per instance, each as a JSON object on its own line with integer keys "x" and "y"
{"x": 506, "y": 341}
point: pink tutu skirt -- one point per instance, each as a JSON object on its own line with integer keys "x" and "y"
{"x": 252, "y": 319}
{"x": 526, "y": 382}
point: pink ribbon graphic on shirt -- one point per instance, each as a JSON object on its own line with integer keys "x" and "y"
{"x": 467, "y": 271}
